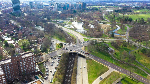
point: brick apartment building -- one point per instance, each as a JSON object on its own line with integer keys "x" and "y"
{"x": 16, "y": 67}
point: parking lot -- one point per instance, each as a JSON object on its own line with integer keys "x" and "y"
{"x": 51, "y": 67}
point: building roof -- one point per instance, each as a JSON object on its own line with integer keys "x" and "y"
{"x": 1, "y": 71}
{"x": 5, "y": 61}
{"x": 38, "y": 81}
{"x": 24, "y": 55}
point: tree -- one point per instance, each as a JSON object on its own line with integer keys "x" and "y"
{"x": 24, "y": 44}
{"x": 6, "y": 43}
{"x": 124, "y": 55}
{"x": 112, "y": 34}
{"x": 46, "y": 44}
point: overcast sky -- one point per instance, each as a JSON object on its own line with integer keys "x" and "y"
{"x": 74, "y": 0}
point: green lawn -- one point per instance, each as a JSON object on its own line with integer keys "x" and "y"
{"x": 121, "y": 31}
{"x": 142, "y": 10}
{"x": 111, "y": 78}
{"x": 127, "y": 80}
{"x": 94, "y": 70}
{"x": 58, "y": 46}
{"x": 143, "y": 59}
{"x": 108, "y": 58}
{"x": 136, "y": 16}
{"x": 85, "y": 39}
{"x": 42, "y": 68}
{"x": 59, "y": 38}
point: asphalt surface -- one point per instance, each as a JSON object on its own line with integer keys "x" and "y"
{"x": 82, "y": 75}
{"x": 117, "y": 68}
{"x": 103, "y": 76}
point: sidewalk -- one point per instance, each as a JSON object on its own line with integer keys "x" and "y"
{"x": 103, "y": 76}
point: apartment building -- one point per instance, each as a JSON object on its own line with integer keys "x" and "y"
{"x": 17, "y": 67}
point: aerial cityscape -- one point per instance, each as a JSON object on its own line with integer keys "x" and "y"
{"x": 74, "y": 42}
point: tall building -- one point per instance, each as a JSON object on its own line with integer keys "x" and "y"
{"x": 83, "y": 5}
{"x": 16, "y": 5}
{"x": 17, "y": 67}
{"x": 31, "y": 5}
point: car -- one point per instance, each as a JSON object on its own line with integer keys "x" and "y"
{"x": 46, "y": 67}
{"x": 66, "y": 48}
{"x": 70, "y": 50}
{"x": 80, "y": 67}
{"x": 101, "y": 78}
{"x": 59, "y": 55}
{"x": 45, "y": 77}
{"x": 50, "y": 71}
{"x": 51, "y": 80}
{"x": 84, "y": 66}
{"x": 47, "y": 70}
{"x": 47, "y": 73}
{"x": 74, "y": 45}
{"x": 87, "y": 53}
{"x": 51, "y": 64}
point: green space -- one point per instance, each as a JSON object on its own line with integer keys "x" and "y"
{"x": 94, "y": 70}
{"x": 58, "y": 37}
{"x": 59, "y": 45}
{"x": 127, "y": 80}
{"x": 122, "y": 31}
{"x": 137, "y": 16}
{"x": 142, "y": 10}
{"x": 42, "y": 68}
{"x": 60, "y": 73}
{"x": 111, "y": 78}
{"x": 72, "y": 36}
{"x": 129, "y": 25}
{"x": 99, "y": 50}
{"x": 145, "y": 43}
{"x": 85, "y": 39}
{"x": 143, "y": 58}
{"x": 122, "y": 53}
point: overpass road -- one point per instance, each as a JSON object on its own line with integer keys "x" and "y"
{"x": 77, "y": 49}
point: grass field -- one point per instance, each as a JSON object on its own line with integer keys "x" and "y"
{"x": 85, "y": 39}
{"x": 142, "y": 10}
{"x": 111, "y": 78}
{"x": 143, "y": 59}
{"x": 42, "y": 68}
{"x": 136, "y": 16}
{"x": 127, "y": 80}
{"x": 94, "y": 70}
{"x": 121, "y": 31}
{"x": 108, "y": 58}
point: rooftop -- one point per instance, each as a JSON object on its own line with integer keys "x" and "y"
{"x": 38, "y": 81}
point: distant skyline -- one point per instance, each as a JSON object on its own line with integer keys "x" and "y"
{"x": 76, "y": 0}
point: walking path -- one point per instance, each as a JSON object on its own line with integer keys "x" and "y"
{"x": 115, "y": 82}
{"x": 103, "y": 76}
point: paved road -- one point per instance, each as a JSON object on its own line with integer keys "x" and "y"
{"x": 103, "y": 76}
{"x": 117, "y": 68}
{"x": 78, "y": 49}
{"x": 82, "y": 75}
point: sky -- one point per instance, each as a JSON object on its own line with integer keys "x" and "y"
{"x": 74, "y": 0}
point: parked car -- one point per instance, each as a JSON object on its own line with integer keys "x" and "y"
{"x": 51, "y": 80}
{"x": 45, "y": 77}
{"x": 47, "y": 73}
{"x": 87, "y": 53}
